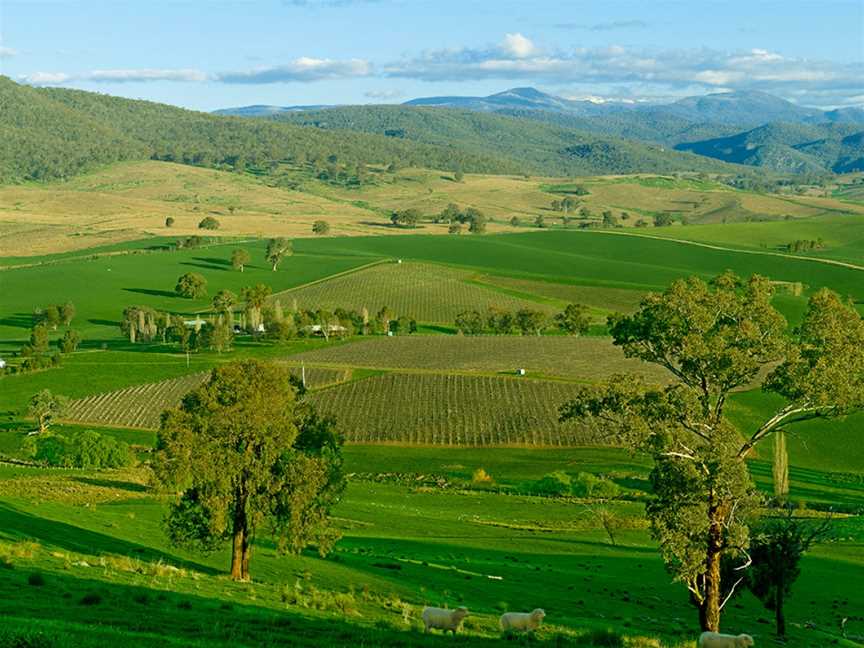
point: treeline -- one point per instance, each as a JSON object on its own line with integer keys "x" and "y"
{"x": 54, "y": 133}
{"x": 40, "y": 352}
{"x": 573, "y": 320}
{"x": 804, "y": 245}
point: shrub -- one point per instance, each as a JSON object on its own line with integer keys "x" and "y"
{"x": 556, "y": 484}
{"x": 86, "y": 449}
{"x": 601, "y": 639}
{"x": 36, "y": 580}
{"x": 208, "y": 223}
{"x": 590, "y": 485}
{"x": 480, "y": 476}
{"x": 91, "y": 598}
{"x": 169, "y": 222}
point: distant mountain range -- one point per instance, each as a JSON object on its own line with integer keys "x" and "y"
{"x": 728, "y": 126}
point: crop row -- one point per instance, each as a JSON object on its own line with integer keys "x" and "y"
{"x": 426, "y": 292}
{"x": 142, "y": 405}
{"x": 453, "y": 410}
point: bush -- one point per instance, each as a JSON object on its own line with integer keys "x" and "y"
{"x": 590, "y": 485}
{"x": 601, "y": 639}
{"x": 87, "y": 449}
{"x": 208, "y": 223}
{"x": 91, "y": 598}
{"x": 36, "y": 580}
{"x": 556, "y": 484}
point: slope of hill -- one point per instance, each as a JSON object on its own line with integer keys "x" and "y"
{"x": 795, "y": 148}
{"x": 55, "y": 133}
{"x": 741, "y": 108}
{"x": 540, "y": 147}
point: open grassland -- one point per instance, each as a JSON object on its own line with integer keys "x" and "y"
{"x": 426, "y": 292}
{"x": 415, "y": 532}
{"x": 842, "y": 236}
{"x": 141, "y": 406}
{"x": 132, "y": 199}
{"x": 599, "y": 299}
{"x": 586, "y": 358}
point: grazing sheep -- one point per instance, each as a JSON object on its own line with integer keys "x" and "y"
{"x": 524, "y": 621}
{"x": 443, "y": 619}
{"x": 717, "y": 640}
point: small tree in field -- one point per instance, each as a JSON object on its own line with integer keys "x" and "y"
{"x": 320, "y": 227}
{"x": 574, "y": 319}
{"x": 530, "y": 322}
{"x": 67, "y": 313}
{"x": 776, "y": 549}
{"x": 45, "y": 407}
{"x": 716, "y": 338}
{"x": 454, "y": 228}
{"x": 51, "y": 316}
{"x": 469, "y": 322}
{"x": 169, "y": 222}
{"x": 239, "y": 259}
{"x": 191, "y": 286}
{"x": 208, "y": 223}
{"x": 242, "y": 451}
{"x": 278, "y": 249}
{"x": 70, "y": 341}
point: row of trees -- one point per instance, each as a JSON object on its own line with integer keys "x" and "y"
{"x": 804, "y": 245}
{"x": 715, "y": 338}
{"x": 573, "y": 320}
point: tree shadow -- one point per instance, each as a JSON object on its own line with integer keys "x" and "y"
{"x": 153, "y": 292}
{"x": 205, "y": 266}
{"x": 103, "y": 322}
{"x": 18, "y": 525}
{"x": 19, "y": 320}
{"x": 225, "y": 263}
{"x": 132, "y": 487}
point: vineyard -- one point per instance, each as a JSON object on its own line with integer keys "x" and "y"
{"x": 453, "y": 410}
{"x": 586, "y": 358}
{"x": 142, "y": 405}
{"x": 426, "y": 292}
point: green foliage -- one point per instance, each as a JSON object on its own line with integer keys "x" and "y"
{"x": 45, "y": 407}
{"x": 82, "y": 449}
{"x": 406, "y": 217}
{"x": 239, "y": 259}
{"x": 469, "y": 323}
{"x": 191, "y": 285}
{"x": 242, "y": 451}
{"x": 574, "y": 319}
{"x": 70, "y": 341}
{"x": 278, "y": 249}
{"x": 320, "y": 227}
{"x": 208, "y": 223}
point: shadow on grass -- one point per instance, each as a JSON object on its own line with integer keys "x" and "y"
{"x": 205, "y": 266}
{"x": 19, "y": 320}
{"x": 153, "y": 292}
{"x": 132, "y": 487}
{"x": 18, "y": 525}
{"x": 68, "y": 610}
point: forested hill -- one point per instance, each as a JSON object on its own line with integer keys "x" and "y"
{"x": 50, "y": 134}
{"x": 791, "y": 148}
{"x": 544, "y": 148}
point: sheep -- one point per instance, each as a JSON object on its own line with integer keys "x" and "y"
{"x": 443, "y": 619}
{"x": 525, "y": 621}
{"x": 717, "y": 640}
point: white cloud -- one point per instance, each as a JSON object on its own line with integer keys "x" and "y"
{"x": 7, "y": 52}
{"x": 517, "y": 46}
{"x": 302, "y": 69}
{"x": 116, "y": 76}
{"x": 383, "y": 95}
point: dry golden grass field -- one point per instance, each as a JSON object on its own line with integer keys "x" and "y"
{"x": 132, "y": 200}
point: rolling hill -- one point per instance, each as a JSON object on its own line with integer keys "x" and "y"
{"x": 542, "y": 148}
{"x": 790, "y": 148}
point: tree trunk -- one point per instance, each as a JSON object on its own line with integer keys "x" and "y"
{"x": 779, "y": 617}
{"x": 709, "y": 616}
{"x": 240, "y": 549}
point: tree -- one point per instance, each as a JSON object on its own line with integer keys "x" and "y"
{"x": 540, "y": 221}
{"x": 208, "y": 223}
{"x": 405, "y": 217}
{"x": 574, "y": 319}
{"x": 51, "y": 317}
{"x": 141, "y": 323}
{"x": 500, "y": 321}
{"x": 67, "y": 313}
{"x": 320, "y": 227}
{"x": 454, "y": 228}
{"x": 476, "y": 221}
{"x": 239, "y": 259}
{"x": 469, "y": 323}
{"x": 663, "y": 220}
{"x": 255, "y": 298}
{"x": 776, "y": 550}
{"x": 530, "y": 321}
{"x": 45, "y": 407}
{"x": 169, "y": 222}
{"x": 609, "y": 219}
{"x": 224, "y": 301}
{"x": 191, "y": 286}
{"x": 70, "y": 341}
{"x": 458, "y": 176}
{"x": 278, "y": 249}
{"x": 713, "y": 339}
{"x": 450, "y": 213}
{"x": 242, "y": 450}
{"x": 515, "y": 221}
{"x": 217, "y": 336}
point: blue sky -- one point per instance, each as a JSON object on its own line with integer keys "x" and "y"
{"x": 219, "y": 53}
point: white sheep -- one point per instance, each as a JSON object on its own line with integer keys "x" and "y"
{"x": 442, "y": 619}
{"x": 525, "y": 621}
{"x": 717, "y": 640}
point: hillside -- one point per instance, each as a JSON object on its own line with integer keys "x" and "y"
{"x": 57, "y": 133}
{"x": 790, "y": 148}
{"x": 543, "y": 148}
